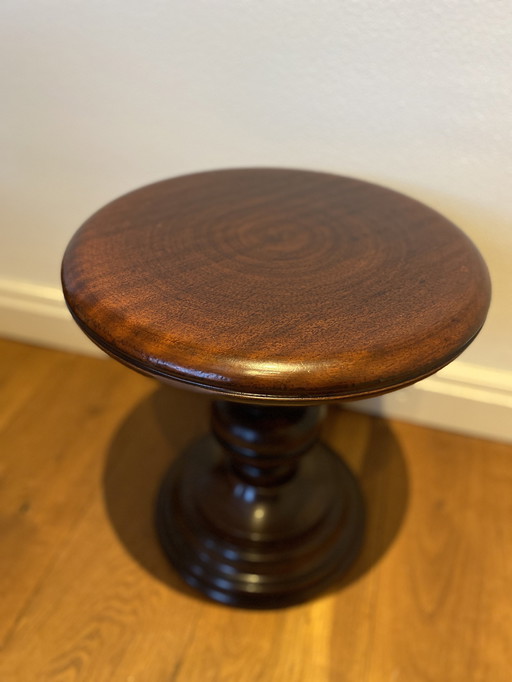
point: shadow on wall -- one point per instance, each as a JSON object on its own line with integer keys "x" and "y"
{"x": 160, "y": 427}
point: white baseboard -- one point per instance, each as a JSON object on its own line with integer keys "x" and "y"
{"x": 462, "y": 397}
{"x": 37, "y": 314}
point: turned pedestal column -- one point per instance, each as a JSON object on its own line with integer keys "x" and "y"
{"x": 276, "y": 292}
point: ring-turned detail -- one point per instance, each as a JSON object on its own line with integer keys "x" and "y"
{"x": 273, "y": 290}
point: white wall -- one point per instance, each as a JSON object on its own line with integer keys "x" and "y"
{"x": 100, "y": 97}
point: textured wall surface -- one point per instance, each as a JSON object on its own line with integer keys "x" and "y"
{"x": 100, "y": 97}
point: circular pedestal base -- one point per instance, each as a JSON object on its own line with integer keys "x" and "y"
{"x": 259, "y": 547}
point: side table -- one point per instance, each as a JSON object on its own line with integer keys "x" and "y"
{"x": 275, "y": 291}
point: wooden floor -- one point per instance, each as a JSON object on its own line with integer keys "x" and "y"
{"x": 86, "y": 593}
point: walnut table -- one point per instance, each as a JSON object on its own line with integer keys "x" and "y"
{"x": 275, "y": 291}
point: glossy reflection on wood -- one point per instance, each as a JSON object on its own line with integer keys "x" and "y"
{"x": 272, "y": 284}
{"x": 261, "y": 515}
{"x": 271, "y": 287}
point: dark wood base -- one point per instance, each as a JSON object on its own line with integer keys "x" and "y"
{"x": 260, "y": 515}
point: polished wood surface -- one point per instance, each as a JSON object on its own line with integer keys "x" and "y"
{"x": 270, "y": 284}
{"x": 260, "y": 514}
{"x": 88, "y": 595}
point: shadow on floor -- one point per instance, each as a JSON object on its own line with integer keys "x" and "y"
{"x": 159, "y": 428}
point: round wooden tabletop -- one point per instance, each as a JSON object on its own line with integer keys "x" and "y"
{"x": 272, "y": 284}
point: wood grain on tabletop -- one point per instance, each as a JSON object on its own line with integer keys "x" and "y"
{"x": 276, "y": 284}
{"x": 88, "y": 595}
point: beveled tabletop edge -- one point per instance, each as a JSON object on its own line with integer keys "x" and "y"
{"x": 225, "y": 393}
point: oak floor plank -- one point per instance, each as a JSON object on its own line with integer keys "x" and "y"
{"x": 87, "y": 595}
{"x": 47, "y": 448}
